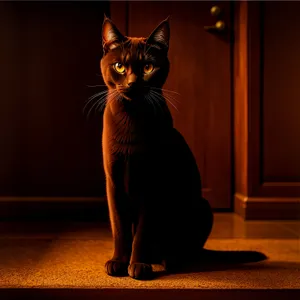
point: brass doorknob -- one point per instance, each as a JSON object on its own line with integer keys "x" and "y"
{"x": 215, "y": 11}
{"x": 220, "y": 26}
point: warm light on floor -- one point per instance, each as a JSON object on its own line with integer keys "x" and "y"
{"x": 73, "y": 255}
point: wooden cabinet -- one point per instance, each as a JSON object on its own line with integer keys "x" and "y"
{"x": 267, "y": 110}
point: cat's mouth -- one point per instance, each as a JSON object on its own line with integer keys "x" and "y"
{"x": 132, "y": 93}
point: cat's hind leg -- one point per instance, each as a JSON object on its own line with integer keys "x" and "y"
{"x": 186, "y": 242}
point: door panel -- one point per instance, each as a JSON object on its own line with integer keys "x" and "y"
{"x": 281, "y": 93}
{"x": 201, "y": 73}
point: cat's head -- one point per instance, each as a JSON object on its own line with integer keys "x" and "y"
{"x": 135, "y": 66}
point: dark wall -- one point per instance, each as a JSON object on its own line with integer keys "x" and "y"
{"x": 49, "y": 53}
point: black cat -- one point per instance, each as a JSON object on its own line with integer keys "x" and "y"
{"x": 157, "y": 211}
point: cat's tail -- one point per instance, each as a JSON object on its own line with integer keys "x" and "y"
{"x": 213, "y": 260}
{"x": 230, "y": 257}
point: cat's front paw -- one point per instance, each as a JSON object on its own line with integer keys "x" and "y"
{"x": 116, "y": 268}
{"x": 140, "y": 271}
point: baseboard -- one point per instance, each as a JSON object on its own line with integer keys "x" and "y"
{"x": 58, "y": 208}
{"x": 271, "y": 208}
{"x": 54, "y": 208}
{"x": 95, "y": 208}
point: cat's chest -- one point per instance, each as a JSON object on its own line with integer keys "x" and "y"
{"x": 132, "y": 133}
{"x": 128, "y": 130}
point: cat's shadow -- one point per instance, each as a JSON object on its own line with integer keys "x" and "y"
{"x": 213, "y": 261}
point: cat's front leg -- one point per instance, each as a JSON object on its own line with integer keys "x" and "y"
{"x": 140, "y": 261}
{"x": 121, "y": 225}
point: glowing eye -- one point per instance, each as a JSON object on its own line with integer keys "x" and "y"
{"x": 119, "y": 68}
{"x": 148, "y": 68}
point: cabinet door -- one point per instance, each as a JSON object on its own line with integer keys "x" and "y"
{"x": 201, "y": 73}
{"x": 281, "y": 98}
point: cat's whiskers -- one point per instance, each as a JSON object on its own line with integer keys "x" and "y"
{"x": 148, "y": 99}
{"x": 101, "y": 102}
{"x": 112, "y": 95}
{"x": 170, "y": 101}
{"x": 166, "y": 93}
{"x": 156, "y": 99}
{"x": 165, "y": 90}
{"x": 169, "y": 93}
{"x": 92, "y": 98}
{"x": 101, "y": 105}
{"x": 117, "y": 97}
{"x": 161, "y": 97}
{"x": 171, "y": 97}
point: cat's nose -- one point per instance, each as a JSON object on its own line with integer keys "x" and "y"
{"x": 131, "y": 83}
{"x": 131, "y": 80}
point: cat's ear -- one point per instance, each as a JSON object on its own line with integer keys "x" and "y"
{"x": 111, "y": 36}
{"x": 160, "y": 36}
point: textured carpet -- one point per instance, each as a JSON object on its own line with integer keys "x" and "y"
{"x": 78, "y": 263}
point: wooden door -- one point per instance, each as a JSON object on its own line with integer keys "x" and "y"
{"x": 201, "y": 73}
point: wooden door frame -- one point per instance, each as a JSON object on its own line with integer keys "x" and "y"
{"x": 254, "y": 198}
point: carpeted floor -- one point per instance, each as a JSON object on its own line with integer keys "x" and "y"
{"x": 77, "y": 262}
{"x": 64, "y": 260}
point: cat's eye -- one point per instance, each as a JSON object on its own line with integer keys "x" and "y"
{"x": 148, "y": 68}
{"x": 119, "y": 68}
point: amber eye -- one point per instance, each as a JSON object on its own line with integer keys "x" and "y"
{"x": 119, "y": 68}
{"x": 148, "y": 68}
